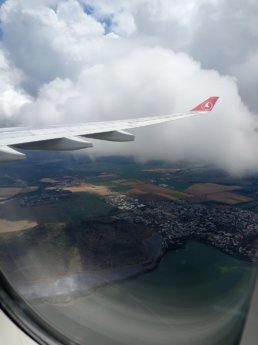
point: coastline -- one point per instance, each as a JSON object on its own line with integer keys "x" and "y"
{"x": 65, "y": 289}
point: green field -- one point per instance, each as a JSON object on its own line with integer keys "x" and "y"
{"x": 82, "y": 207}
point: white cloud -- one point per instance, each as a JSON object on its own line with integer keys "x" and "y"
{"x": 49, "y": 43}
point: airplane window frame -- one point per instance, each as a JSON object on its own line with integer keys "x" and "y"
{"x": 23, "y": 316}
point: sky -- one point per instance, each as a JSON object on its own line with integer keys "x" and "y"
{"x": 68, "y": 61}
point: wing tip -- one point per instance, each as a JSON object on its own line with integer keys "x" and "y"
{"x": 206, "y": 105}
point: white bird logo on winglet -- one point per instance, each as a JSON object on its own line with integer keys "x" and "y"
{"x": 207, "y": 106}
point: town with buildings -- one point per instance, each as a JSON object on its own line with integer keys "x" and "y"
{"x": 230, "y": 229}
{"x": 45, "y": 197}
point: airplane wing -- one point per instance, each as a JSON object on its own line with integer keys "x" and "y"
{"x": 73, "y": 136}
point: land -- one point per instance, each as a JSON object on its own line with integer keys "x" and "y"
{"x": 10, "y": 192}
{"x": 7, "y": 226}
{"x": 90, "y": 188}
{"x": 164, "y": 170}
{"x": 231, "y": 230}
{"x": 218, "y": 193}
{"x": 140, "y": 188}
{"x": 48, "y": 180}
{"x": 116, "y": 216}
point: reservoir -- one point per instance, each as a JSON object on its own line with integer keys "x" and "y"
{"x": 196, "y": 295}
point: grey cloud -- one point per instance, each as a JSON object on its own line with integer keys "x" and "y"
{"x": 157, "y": 81}
{"x": 70, "y": 68}
{"x": 222, "y": 35}
{"x": 226, "y": 40}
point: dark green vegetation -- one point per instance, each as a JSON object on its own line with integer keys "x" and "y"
{"x": 56, "y": 249}
{"x": 80, "y": 207}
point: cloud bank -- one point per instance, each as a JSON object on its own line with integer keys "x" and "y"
{"x": 67, "y": 61}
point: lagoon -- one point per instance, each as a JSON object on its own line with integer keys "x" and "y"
{"x": 197, "y": 295}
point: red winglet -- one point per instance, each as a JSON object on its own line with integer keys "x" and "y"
{"x": 206, "y": 105}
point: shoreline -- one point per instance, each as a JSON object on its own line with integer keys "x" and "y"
{"x": 65, "y": 290}
{"x": 68, "y": 288}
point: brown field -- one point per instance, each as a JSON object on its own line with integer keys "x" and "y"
{"x": 148, "y": 195}
{"x": 9, "y": 192}
{"x": 90, "y": 188}
{"x": 20, "y": 225}
{"x": 209, "y": 188}
{"x": 218, "y": 193}
{"x": 48, "y": 180}
{"x": 127, "y": 182}
{"x": 228, "y": 198}
{"x": 139, "y": 188}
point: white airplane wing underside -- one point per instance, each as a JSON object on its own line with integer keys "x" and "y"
{"x": 74, "y": 137}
